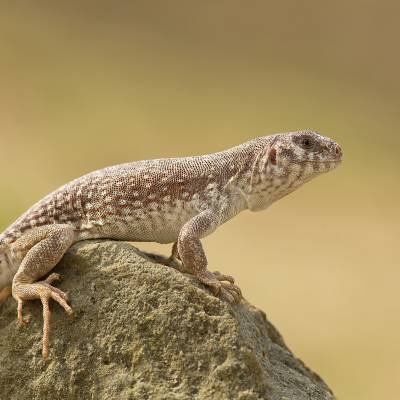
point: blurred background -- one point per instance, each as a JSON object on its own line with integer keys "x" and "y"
{"x": 89, "y": 84}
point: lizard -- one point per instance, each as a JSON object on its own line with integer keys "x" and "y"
{"x": 168, "y": 200}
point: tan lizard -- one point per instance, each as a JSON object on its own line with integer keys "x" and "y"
{"x": 172, "y": 200}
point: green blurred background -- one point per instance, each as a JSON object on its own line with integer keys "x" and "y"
{"x": 88, "y": 84}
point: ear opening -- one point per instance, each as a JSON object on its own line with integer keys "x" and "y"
{"x": 272, "y": 156}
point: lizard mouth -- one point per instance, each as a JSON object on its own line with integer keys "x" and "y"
{"x": 321, "y": 162}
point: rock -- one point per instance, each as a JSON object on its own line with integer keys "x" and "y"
{"x": 146, "y": 331}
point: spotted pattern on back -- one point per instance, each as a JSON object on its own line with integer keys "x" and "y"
{"x": 151, "y": 200}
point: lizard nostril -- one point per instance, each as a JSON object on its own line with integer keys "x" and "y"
{"x": 338, "y": 150}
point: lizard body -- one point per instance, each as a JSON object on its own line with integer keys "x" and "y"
{"x": 173, "y": 200}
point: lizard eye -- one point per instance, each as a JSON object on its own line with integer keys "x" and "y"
{"x": 307, "y": 143}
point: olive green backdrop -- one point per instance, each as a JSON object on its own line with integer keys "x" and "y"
{"x": 87, "y": 84}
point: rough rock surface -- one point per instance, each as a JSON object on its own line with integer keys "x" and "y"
{"x": 145, "y": 331}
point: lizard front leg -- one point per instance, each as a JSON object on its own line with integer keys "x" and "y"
{"x": 41, "y": 248}
{"x": 191, "y": 253}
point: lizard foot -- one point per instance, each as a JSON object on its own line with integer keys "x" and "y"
{"x": 222, "y": 277}
{"x": 44, "y": 291}
{"x": 221, "y": 285}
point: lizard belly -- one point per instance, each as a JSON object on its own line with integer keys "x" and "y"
{"x": 159, "y": 224}
{"x": 163, "y": 226}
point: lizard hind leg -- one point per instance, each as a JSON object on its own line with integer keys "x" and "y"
{"x": 44, "y": 248}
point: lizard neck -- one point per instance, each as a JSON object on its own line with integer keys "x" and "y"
{"x": 269, "y": 183}
{"x": 267, "y": 191}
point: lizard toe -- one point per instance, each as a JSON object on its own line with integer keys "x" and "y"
{"x": 53, "y": 278}
{"x": 228, "y": 296}
{"x": 233, "y": 290}
{"x": 222, "y": 277}
{"x": 221, "y": 286}
{"x": 21, "y": 319}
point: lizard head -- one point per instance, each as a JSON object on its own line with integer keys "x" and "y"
{"x": 305, "y": 153}
{"x": 288, "y": 161}
{"x": 5, "y": 273}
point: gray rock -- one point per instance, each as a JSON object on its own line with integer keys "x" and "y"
{"x": 146, "y": 331}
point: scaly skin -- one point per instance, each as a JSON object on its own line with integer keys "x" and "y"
{"x": 177, "y": 200}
